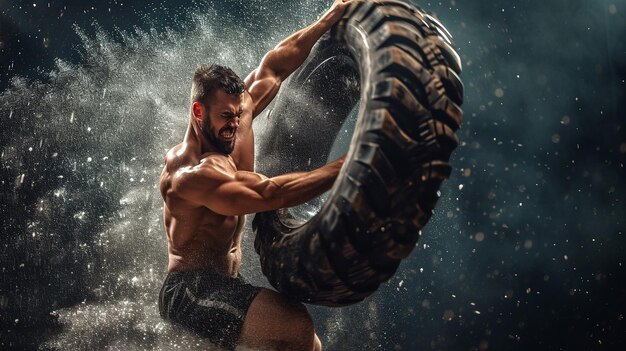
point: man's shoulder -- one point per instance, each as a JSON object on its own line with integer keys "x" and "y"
{"x": 190, "y": 176}
{"x": 183, "y": 169}
{"x": 211, "y": 170}
{"x": 177, "y": 161}
{"x": 216, "y": 161}
{"x": 174, "y": 158}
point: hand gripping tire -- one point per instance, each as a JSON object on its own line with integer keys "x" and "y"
{"x": 410, "y": 95}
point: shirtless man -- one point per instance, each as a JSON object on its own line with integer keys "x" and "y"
{"x": 208, "y": 185}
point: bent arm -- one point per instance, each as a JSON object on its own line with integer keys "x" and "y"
{"x": 264, "y": 82}
{"x": 239, "y": 193}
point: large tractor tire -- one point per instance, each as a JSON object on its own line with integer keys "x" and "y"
{"x": 400, "y": 61}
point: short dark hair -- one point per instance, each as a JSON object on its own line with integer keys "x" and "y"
{"x": 209, "y": 78}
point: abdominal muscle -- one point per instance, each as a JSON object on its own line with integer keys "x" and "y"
{"x": 204, "y": 240}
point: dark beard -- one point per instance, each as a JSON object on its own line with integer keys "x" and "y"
{"x": 223, "y": 146}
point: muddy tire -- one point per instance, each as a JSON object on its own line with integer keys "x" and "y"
{"x": 400, "y": 61}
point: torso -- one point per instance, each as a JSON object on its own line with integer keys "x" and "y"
{"x": 199, "y": 238}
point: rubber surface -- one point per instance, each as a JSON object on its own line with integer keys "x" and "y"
{"x": 400, "y": 61}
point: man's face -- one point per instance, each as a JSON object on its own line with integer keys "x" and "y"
{"x": 221, "y": 121}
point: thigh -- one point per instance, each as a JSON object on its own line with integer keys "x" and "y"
{"x": 275, "y": 322}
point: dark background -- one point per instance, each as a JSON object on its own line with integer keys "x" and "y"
{"x": 526, "y": 249}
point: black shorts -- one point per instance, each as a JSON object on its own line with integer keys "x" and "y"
{"x": 209, "y": 304}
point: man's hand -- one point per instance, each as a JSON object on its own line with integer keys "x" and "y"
{"x": 337, "y": 9}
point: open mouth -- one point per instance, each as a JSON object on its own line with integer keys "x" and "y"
{"x": 228, "y": 133}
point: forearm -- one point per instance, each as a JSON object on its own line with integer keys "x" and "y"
{"x": 290, "y": 53}
{"x": 295, "y": 188}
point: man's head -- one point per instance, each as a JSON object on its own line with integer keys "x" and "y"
{"x": 216, "y": 104}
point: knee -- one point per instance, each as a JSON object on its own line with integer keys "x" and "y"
{"x": 300, "y": 331}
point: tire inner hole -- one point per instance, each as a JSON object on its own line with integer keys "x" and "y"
{"x": 341, "y": 144}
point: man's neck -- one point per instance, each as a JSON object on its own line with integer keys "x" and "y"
{"x": 195, "y": 141}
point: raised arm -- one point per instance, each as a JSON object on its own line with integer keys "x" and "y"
{"x": 263, "y": 82}
{"x": 216, "y": 185}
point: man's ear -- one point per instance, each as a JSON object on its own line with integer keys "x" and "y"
{"x": 196, "y": 110}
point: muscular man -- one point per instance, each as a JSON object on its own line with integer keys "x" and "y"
{"x": 208, "y": 184}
